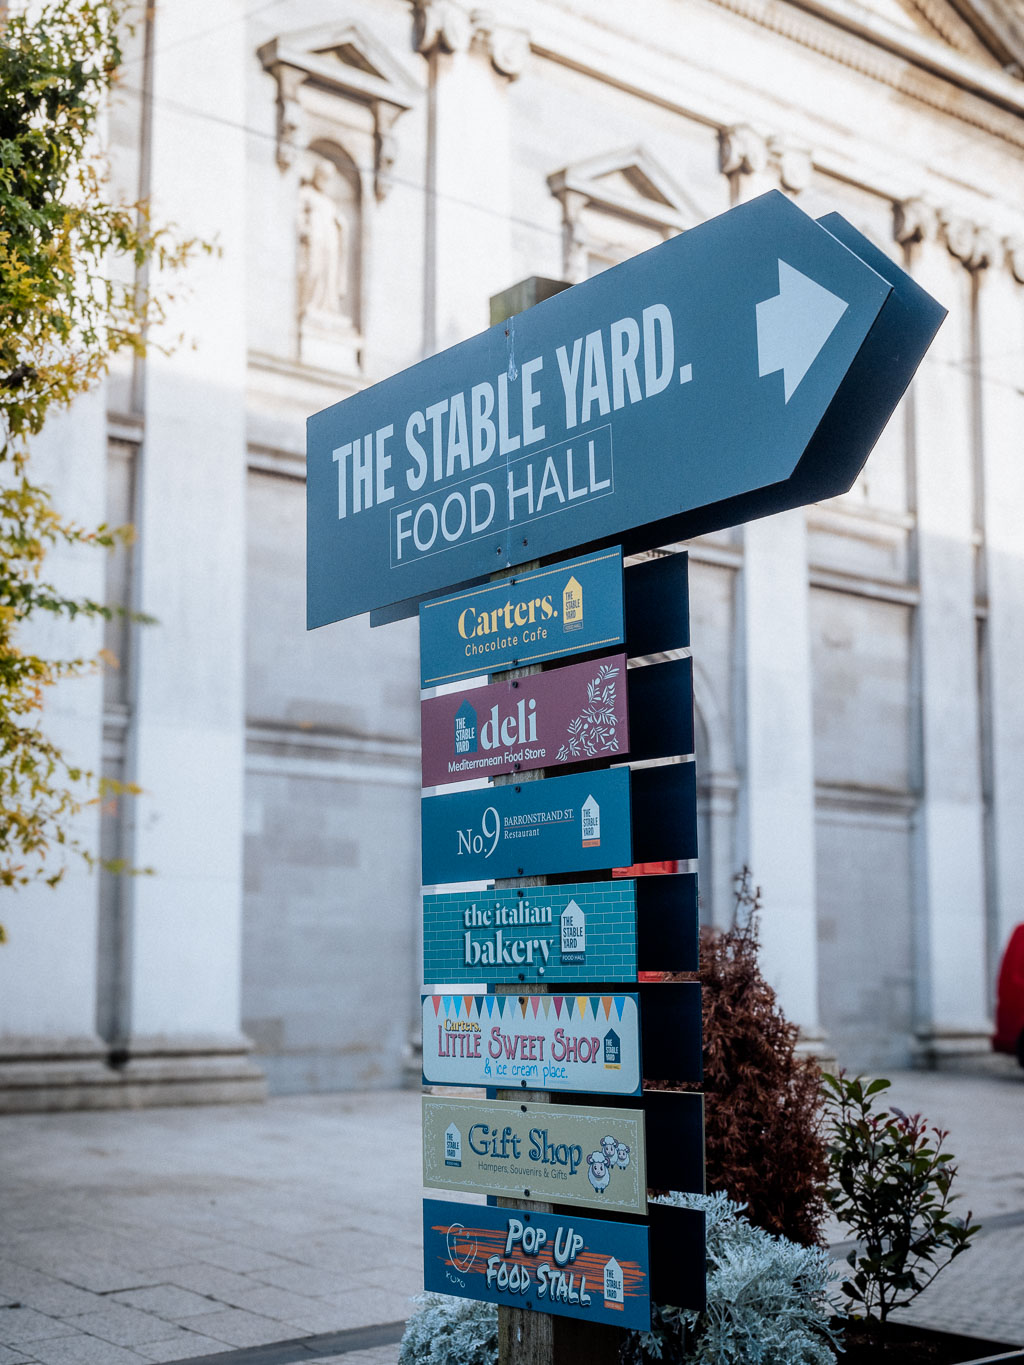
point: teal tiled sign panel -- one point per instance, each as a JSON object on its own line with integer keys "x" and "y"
{"x": 528, "y": 619}
{"x": 582, "y": 932}
{"x": 559, "y": 824}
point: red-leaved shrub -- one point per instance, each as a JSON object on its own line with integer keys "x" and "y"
{"x": 763, "y": 1100}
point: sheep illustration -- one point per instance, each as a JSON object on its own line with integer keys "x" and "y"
{"x": 598, "y": 1171}
{"x": 610, "y": 1146}
{"x": 622, "y": 1156}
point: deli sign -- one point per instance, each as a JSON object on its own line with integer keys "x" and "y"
{"x": 546, "y": 720}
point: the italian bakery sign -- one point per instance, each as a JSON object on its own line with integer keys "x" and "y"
{"x": 585, "y": 931}
{"x": 569, "y": 715}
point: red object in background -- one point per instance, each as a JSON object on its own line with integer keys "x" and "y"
{"x": 648, "y": 870}
{"x": 1009, "y": 1034}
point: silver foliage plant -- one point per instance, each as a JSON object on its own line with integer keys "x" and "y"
{"x": 448, "y": 1331}
{"x": 768, "y": 1304}
{"x": 767, "y": 1299}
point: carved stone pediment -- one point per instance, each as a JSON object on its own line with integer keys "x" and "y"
{"x": 616, "y": 204}
{"x": 342, "y": 60}
{"x": 629, "y": 181}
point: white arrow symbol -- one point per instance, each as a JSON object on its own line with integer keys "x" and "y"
{"x": 793, "y": 326}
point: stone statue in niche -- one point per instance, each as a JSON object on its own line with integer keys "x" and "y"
{"x": 323, "y": 247}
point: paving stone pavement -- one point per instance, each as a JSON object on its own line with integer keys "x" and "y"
{"x": 178, "y": 1234}
{"x": 172, "y": 1234}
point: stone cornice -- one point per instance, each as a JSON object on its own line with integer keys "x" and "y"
{"x": 928, "y": 53}
{"x": 841, "y": 30}
{"x": 859, "y": 40}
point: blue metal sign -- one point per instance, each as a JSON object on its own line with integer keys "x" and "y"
{"x": 584, "y": 932}
{"x": 531, "y": 618}
{"x": 560, "y": 824}
{"x": 576, "y": 1267}
{"x": 730, "y": 372}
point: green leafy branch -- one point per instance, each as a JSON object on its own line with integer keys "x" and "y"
{"x": 64, "y": 315}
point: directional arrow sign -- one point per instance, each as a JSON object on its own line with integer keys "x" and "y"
{"x": 793, "y": 327}
{"x": 743, "y": 367}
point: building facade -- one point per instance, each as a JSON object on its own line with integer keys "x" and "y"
{"x": 373, "y": 172}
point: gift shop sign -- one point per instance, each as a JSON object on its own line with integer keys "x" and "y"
{"x": 592, "y": 1157}
{"x": 581, "y": 932}
{"x": 588, "y": 1043}
{"x": 559, "y": 824}
{"x": 532, "y": 618}
{"x": 573, "y": 1267}
{"x": 743, "y": 367}
{"x": 547, "y": 720}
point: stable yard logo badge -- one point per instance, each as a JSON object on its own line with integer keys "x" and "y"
{"x": 590, "y": 819}
{"x": 573, "y": 925}
{"x": 452, "y": 1146}
{"x": 465, "y": 729}
{"x": 572, "y": 605}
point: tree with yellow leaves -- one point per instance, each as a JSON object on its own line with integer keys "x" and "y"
{"x": 63, "y": 316}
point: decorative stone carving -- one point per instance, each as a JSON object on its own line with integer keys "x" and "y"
{"x": 574, "y": 239}
{"x": 444, "y": 24}
{"x": 914, "y": 220}
{"x": 291, "y": 121}
{"x": 975, "y": 246}
{"x": 743, "y": 150}
{"x": 441, "y": 23}
{"x": 507, "y": 47}
{"x": 347, "y": 62}
{"x": 795, "y": 164}
{"x": 323, "y": 246}
{"x": 629, "y": 186}
{"x": 331, "y": 244}
{"x": 1015, "y": 257}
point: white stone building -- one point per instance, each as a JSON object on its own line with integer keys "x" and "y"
{"x": 374, "y": 171}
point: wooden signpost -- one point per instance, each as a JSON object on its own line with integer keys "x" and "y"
{"x": 744, "y": 367}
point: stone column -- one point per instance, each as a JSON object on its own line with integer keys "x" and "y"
{"x": 1001, "y": 346}
{"x": 775, "y": 817}
{"x": 185, "y": 743}
{"x": 949, "y": 874}
{"x": 50, "y": 1054}
{"x": 472, "y": 61}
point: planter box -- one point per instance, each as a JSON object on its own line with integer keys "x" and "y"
{"x": 905, "y": 1344}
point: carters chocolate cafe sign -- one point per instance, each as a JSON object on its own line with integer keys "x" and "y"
{"x": 592, "y": 1157}
{"x": 545, "y": 721}
{"x": 574, "y": 608}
